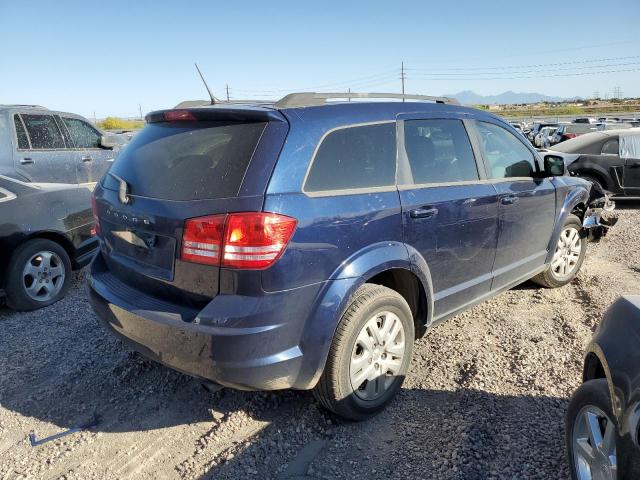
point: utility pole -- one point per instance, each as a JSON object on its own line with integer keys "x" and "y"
{"x": 95, "y": 122}
{"x": 402, "y": 77}
{"x": 617, "y": 93}
{"x": 140, "y": 110}
{"x": 227, "y": 92}
{"x": 349, "y": 91}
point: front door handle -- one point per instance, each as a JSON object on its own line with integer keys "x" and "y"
{"x": 87, "y": 158}
{"x": 423, "y": 212}
{"x": 509, "y": 200}
{"x": 26, "y": 160}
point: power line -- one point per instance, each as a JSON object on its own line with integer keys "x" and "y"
{"x": 522, "y": 72}
{"x": 576, "y": 62}
{"x": 576, "y": 74}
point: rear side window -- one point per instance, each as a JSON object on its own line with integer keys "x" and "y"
{"x": 187, "y": 160}
{"x": 610, "y": 147}
{"x": 43, "y": 132}
{"x": 506, "y": 156}
{"x": 21, "y": 133}
{"x": 354, "y": 157}
{"x": 82, "y": 134}
{"x": 439, "y": 151}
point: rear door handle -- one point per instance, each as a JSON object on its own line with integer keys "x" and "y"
{"x": 509, "y": 200}
{"x": 87, "y": 158}
{"x": 26, "y": 160}
{"x": 423, "y": 212}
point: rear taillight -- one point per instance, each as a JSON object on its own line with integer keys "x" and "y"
{"x": 202, "y": 239}
{"x": 94, "y": 209}
{"x": 245, "y": 240}
{"x": 570, "y": 135}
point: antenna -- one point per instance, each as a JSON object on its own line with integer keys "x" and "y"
{"x": 213, "y": 99}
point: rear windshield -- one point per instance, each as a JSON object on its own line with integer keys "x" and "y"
{"x": 187, "y": 161}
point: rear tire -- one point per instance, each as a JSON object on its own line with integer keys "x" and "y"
{"x": 568, "y": 257}
{"x": 38, "y": 275}
{"x": 369, "y": 355}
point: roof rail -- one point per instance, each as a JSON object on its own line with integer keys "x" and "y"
{"x": 17, "y": 105}
{"x": 305, "y": 99}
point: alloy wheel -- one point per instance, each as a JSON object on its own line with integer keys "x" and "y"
{"x": 43, "y": 276}
{"x": 377, "y": 355}
{"x": 567, "y": 255}
{"x": 594, "y": 445}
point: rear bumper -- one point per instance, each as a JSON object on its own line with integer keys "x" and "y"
{"x": 248, "y": 343}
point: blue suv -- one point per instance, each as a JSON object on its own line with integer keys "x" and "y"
{"x": 307, "y": 243}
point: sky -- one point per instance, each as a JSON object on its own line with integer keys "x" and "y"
{"x": 118, "y": 57}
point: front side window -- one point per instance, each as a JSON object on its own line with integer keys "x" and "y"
{"x": 439, "y": 151}
{"x": 82, "y": 134}
{"x": 43, "y": 132}
{"x": 505, "y": 155}
{"x": 354, "y": 157}
{"x": 610, "y": 147}
{"x": 23, "y": 140}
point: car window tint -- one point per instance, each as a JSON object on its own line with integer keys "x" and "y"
{"x": 82, "y": 134}
{"x": 43, "y": 131}
{"x": 439, "y": 151}
{"x": 355, "y": 157}
{"x": 506, "y": 156}
{"x": 610, "y": 147}
{"x": 23, "y": 141}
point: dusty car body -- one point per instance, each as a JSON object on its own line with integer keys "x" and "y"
{"x": 39, "y": 221}
{"x": 610, "y": 159}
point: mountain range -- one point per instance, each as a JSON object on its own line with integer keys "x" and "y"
{"x": 468, "y": 97}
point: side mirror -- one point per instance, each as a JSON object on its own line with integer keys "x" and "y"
{"x": 554, "y": 166}
{"x": 110, "y": 141}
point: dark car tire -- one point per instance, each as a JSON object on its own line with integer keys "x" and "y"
{"x": 593, "y": 393}
{"x": 17, "y": 296}
{"x": 334, "y": 391}
{"x": 590, "y": 178}
{"x": 549, "y": 277}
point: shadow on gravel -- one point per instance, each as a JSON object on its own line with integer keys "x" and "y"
{"x": 463, "y": 434}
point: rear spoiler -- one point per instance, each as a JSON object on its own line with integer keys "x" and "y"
{"x": 229, "y": 113}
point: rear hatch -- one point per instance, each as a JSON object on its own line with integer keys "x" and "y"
{"x": 183, "y": 164}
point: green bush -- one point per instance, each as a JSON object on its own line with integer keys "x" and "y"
{"x": 114, "y": 123}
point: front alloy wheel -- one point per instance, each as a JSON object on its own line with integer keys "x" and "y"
{"x": 567, "y": 255}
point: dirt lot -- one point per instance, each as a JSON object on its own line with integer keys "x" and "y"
{"x": 485, "y": 396}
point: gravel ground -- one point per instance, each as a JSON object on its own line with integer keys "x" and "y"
{"x": 485, "y": 396}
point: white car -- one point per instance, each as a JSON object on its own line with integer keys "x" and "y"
{"x": 543, "y": 138}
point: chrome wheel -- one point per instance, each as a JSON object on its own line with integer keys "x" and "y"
{"x": 43, "y": 276}
{"x": 594, "y": 445}
{"x": 377, "y": 355}
{"x": 567, "y": 255}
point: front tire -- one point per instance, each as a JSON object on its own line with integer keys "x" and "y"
{"x": 568, "y": 257}
{"x": 591, "y": 433}
{"x": 39, "y": 273}
{"x": 369, "y": 355}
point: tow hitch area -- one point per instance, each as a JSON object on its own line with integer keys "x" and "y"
{"x": 598, "y": 217}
